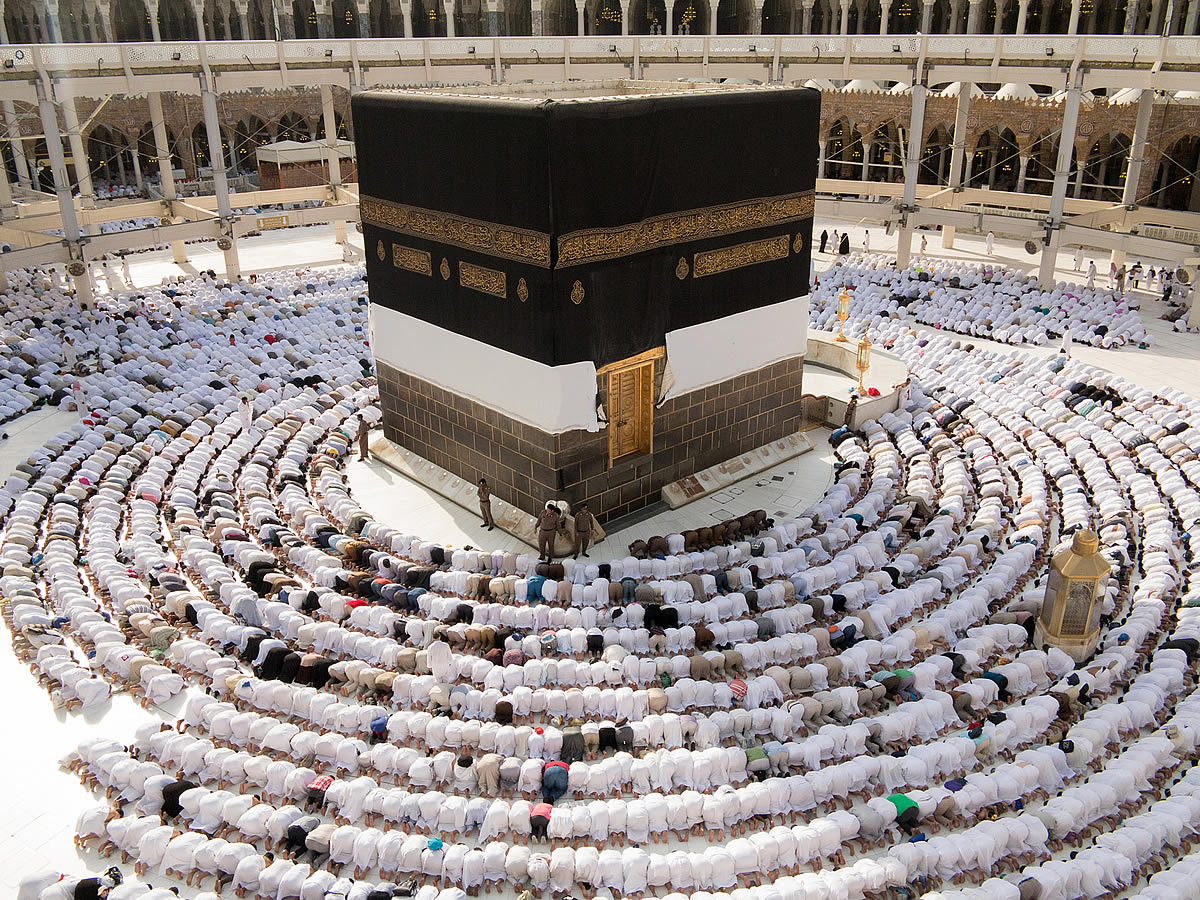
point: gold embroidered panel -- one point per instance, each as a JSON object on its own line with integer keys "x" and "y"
{"x": 411, "y": 259}
{"x": 486, "y": 281}
{"x": 713, "y": 262}
{"x": 471, "y": 234}
{"x": 693, "y": 225}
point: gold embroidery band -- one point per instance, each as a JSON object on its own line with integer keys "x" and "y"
{"x": 411, "y": 259}
{"x": 714, "y": 262}
{"x": 486, "y": 281}
{"x": 470, "y": 234}
{"x": 693, "y": 225}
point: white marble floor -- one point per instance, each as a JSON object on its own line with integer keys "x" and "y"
{"x": 42, "y": 802}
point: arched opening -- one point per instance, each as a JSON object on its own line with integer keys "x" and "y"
{"x": 996, "y": 163}
{"x": 734, "y": 16}
{"x": 777, "y": 17}
{"x": 130, "y": 21}
{"x": 74, "y": 22}
{"x": 345, "y": 19}
{"x": 843, "y": 152}
{"x": 825, "y": 17}
{"x": 936, "y": 156}
{"x": 260, "y": 21}
{"x": 200, "y": 149}
{"x": 1104, "y": 174}
{"x": 648, "y": 17}
{"x": 383, "y": 22}
{"x": 1043, "y": 160}
{"x": 869, "y": 18}
{"x": 429, "y": 19}
{"x": 304, "y": 19}
{"x": 148, "y": 155}
{"x": 293, "y": 127}
{"x": 905, "y": 17}
{"x": 176, "y": 21}
{"x": 560, "y": 17}
{"x": 887, "y": 156}
{"x": 108, "y": 157}
{"x": 1175, "y": 185}
{"x": 469, "y": 18}
{"x": 606, "y": 18}
{"x": 248, "y": 136}
{"x": 690, "y": 17}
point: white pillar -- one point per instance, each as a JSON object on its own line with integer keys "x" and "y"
{"x": 62, "y": 187}
{"x": 885, "y": 10}
{"x": 332, "y": 161}
{"x": 957, "y": 152}
{"x": 844, "y": 28}
{"x": 820, "y": 159}
{"x": 669, "y": 25}
{"x": 220, "y": 182}
{"x": 756, "y": 19}
{"x": 137, "y": 167}
{"x": 449, "y": 7}
{"x": 974, "y": 16}
{"x": 866, "y": 160}
{"x": 1073, "y": 24}
{"x": 912, "y": 164}
{"x": 1189, "y": 27}
{"x": 927, "y": 16}
{"x": 1137, "y": 150}
{"x": 166, "y": 173}
{"x": 1058, "y": 195}
{"x": 1022, "y": 15}
{"x": 806, "y": 19}
{"x": 201, "y": 33}
{"x": 580, "y": 12}
{"x": 1001, "y": 9}
{"x": 83, "y": 173}
{"x": 1024, "y": 160}
{"x": 25, "y": 175}
{"x": 152, "y": 7}
{"x": 625, "y": 17}
{"x": 406, "y": 9}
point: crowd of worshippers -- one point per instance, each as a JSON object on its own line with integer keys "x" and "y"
{"x": 841, "y": 704}
{"x": 979, "y": 300}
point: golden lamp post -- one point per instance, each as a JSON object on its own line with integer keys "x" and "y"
{"x": 843, "y": 313}
{"x": 862, "y": 362}
{"x": 1070, "y": 617}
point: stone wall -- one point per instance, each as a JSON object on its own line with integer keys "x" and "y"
{"x": 526, "y": 466}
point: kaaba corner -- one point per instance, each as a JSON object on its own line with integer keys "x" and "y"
{"x": 588, "y": 290}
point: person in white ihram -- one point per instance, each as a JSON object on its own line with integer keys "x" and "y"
{"x": 1091, "y": 275}
{"x": 989, "y": 245}
{"x": 866, "y": 242}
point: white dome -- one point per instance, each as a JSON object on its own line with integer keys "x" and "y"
{"x": 953, "y": 89}
{"x": 899, "y": 87}
{"x": 861, "y": 85}
{"x": 1125, "y": 96}
{"x": 1014, "y": 91}
{"x": 820, "y": 84}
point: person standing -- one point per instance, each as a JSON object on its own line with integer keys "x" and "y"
{"x": 485, "y": 505}
{"x": 1121, "y": 278}
{"x": 583, "y": 530}
{"x": 989, "y": 245}
{"x": 1091, "y": 273}
{"x": 824, "y": 238}
{"x": 364, "y": 432}
{"x": 844, "y": 247}
{"x": 245, "y": 413}
{"x": 866, "y": 242}
{"x": 1079, "y": 258}
{"x": 837, "y": 241}
{"x": 125, "y": 270}
{"x": 924, "y": 244}
{"x": 547, "y": 526}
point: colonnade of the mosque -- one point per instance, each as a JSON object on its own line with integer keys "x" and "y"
{"x": 49, "y": 21}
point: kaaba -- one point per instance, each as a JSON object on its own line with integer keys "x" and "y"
{"x": 587, "y": 290}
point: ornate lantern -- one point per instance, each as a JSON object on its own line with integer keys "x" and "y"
{"x": 1070, "y": 617}
{"x": 843, "y": 313}
{"x": 862, "y": 362}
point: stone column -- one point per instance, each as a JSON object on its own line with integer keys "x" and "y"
{"x": 927, "y": 16}
{"x": 1073, "y": 24}
{"x": 1024, "y": 160}
{"x": 1001, "y": 9}
{"x": 137, "y": 166}
{"x": 13, "y": 125}
{"x": 912, "y": 166}
{"x": 53, "y": 29}
{"x": 103, "y": 24}
{"x": 362, "y": 14}
{"x": 844, "y": 28}
{"x": 1077, "y": 188}
{"x": 166, "y": 170}
{"x": 121, "y": 167}
{"x": 756, "y": 19}
{"x": 957, "y": 153}
{"x": 669, "y": 25}
{"x": 449, "y": 8}
{"x": 62, "y": 187}
{"x": 625, "y": 17}
{"x": 866, "y": 160}
{"x": 1022, "y": 15}
{"x": 1189, "y": 27}
{"x": 243, "y": 13}
{"x": 1058, "y": 195}
{"x": 406, "y": 9}
{"x": 537, "y": 18}
{"x": 1137, "y": 149}
{"x": 821, "y": 159}
{"x": 974, "y": 16}
{"x": 806, "y": 18}
{"x": 152, "y": 6}
{"x": 83, "y": 173}
{"x": 333, "y": 162}
{"x": 580, "y": 12}
{"x": 201, "y": 31}
{"x": 885, "y": 10}
{"x": 712, "y": 17}
{"x": 220, "y": 181}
